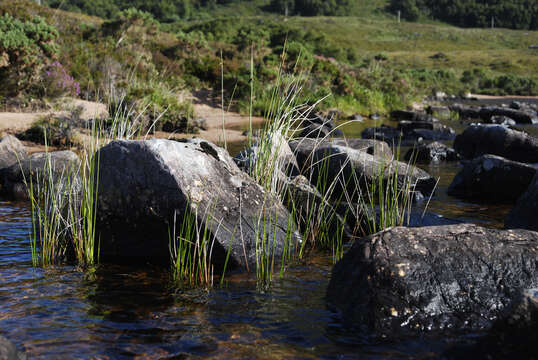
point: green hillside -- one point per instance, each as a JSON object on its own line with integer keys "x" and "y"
{"x": 367, "y": 63}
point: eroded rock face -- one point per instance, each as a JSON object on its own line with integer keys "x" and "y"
{"x": 492, "y": 178}
{"x": 11, "y": 151}
{"x": 12, "y": 178}
{"x": 352, "y": 170}
{"x": 511, "y": 144}
{"x": 439, "y": 278}
{"x": 143, "y": 184}
{"x": 525, "y": 214}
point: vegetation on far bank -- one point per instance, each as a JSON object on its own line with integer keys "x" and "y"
{"x": 367, "y": 64}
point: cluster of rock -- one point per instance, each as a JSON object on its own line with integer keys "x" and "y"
{"x": 18, "y": 169}
{"x": 449, "y": 278}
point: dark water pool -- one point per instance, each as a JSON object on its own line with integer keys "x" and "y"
{"x": 120, "y": 312}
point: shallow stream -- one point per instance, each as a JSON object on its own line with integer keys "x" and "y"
{"x": 121, "y": 312}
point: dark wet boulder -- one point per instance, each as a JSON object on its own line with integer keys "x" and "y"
{"x": 318, "y": 126}
{"x": 525, "y": 214}
{"x": 512, "y": 336}
{"x": 433, "y": 152}
{"x": 438, "y": 278}
{"x": 11, "y": 151}
{"x": 276, "y": 152}
{"x": 8, "y": 350}
{"x": 501, "y": 120}
{"x": 354, "y": 170}
{"x": 515, "y": 145}
{"x": 465, "y": 111}
{"x": 410, "y": 133}
{"x": 35, "y": 169}
{"x": 414, "y": 116}
{"x": 145, "y": 185}
{"x": 390, "y": 135}
{"x": 493, "y": 179}
{"x": 519, "y": 116}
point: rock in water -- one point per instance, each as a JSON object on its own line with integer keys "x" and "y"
{"x": 492, "y": 178}
{"x": 143, "y": 184}
{"x": 8, "y": 351}
{"x": 525, "y": 214}
{"x": 454, "y": 277}
{"x": 433, "y": 152}
{"x": 12, "y": 178}
{"x": 511, "y": 144}
{"x": 355, "y": 170}
{"x": 11, "y": 151}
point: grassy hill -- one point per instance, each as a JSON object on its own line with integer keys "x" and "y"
{"x": 368, "y": 63}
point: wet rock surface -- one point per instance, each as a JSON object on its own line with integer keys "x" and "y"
{"x": 434, "y": 279}
{"x": 431, "y": 153}
{"x": 12, "y": 178}
{"x": 318, "y": 126}
{"x": 11, "y": 151}
{"x": 493, "y": 179}
{"x": 144, "y": 184}
{"x": 498, "y": 140}
{"x": 512, "y": 336}
{"x": 520, "y": 116}
{"x": 410, "y": 133}
{"x": 525, "y": 213}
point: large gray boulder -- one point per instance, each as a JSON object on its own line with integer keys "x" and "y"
{"x": 439, "y": 278}
{"x": 8, "y": 350}
{"x": 144, "y": 185}
{"x": 355, "y": 171}
{"x": 492, "y": 178}
{"x": 511, "y": 144}
{"x": 519, "y": 116}
{"x": 36, "y": 168}
{"x": 11, "y": 151}
{"x": 525, "y": 214}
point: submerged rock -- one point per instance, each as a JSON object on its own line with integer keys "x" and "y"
{"x": 11, "y": 151}
{"x": 405, "y": 115}
{"x": 8, "y": 351}
{"x": 492, "y": 178}
{"x": 143, "y": 185}
{"x": 525, "y": 214}
{"x": 410, "y": 133}
{"x": 511, "y": 144}
{"x": 440, "y": 278}
{"x": 433, "y": 152}
{"x": 35, "y": 168}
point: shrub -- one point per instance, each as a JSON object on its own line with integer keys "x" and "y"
{"x": 25, "y": 47}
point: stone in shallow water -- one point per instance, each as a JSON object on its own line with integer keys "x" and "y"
{"x": 493, "y": 179}
{"x": 437, "y": 278}
{"x": 144, "y": 184}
